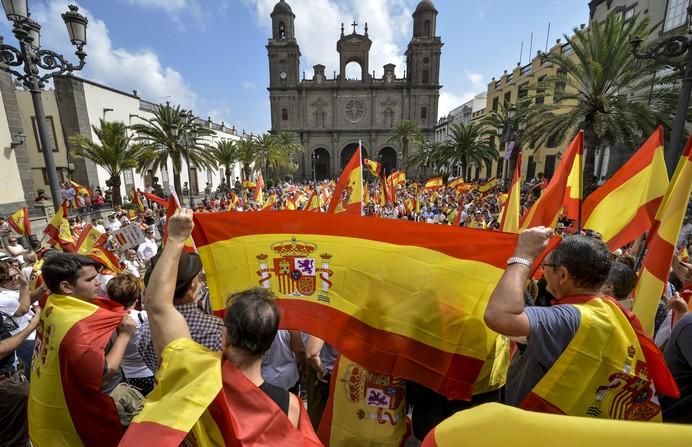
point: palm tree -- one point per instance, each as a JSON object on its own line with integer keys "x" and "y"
{"x": 468, "y": 145}
{"x": 404, "y": 133}
{"x": 247, "y": 155}
{"x": 275, "y": 152}
{"x": 113, "y": 152}
{"x": 601, "y": 89}
{"x": 430, "y": 157}
{"x": 169, "y": 136}
{"x": 226, "y": 154}
{"x": 508, "y": 123}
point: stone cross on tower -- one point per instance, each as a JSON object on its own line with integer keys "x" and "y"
{"x": 354, "y": 25}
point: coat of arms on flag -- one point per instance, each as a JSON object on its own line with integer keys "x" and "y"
{"x": 296, "y": 269}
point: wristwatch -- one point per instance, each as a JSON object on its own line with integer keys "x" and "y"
{"x": 519, "y": 260}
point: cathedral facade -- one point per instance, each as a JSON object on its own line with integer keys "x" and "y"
{"x": 331, "y": 114}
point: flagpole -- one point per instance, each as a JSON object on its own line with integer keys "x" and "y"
{"x": 360, "y": 162}
{"x": 580, "y": 198}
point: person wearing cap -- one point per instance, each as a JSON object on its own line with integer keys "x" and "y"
{"x": 205, "y": 329}
{"x": 585, "y": 355}
{"x": 148, "y": 249}
{"x": 113, "y": 224}
{"x": 478, "y": 221}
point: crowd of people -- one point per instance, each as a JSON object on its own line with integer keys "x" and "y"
{"x": 160, "y": 295}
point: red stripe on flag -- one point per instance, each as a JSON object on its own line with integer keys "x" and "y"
{"x": 639, "y": 225}
{"x": 450, "y": 374}
{"x": 151, "y": 433}
{"x": 658, "y": 261}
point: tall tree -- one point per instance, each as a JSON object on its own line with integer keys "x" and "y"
{"x": 247, "y": 155}
{"x": 405, "y": 133}
{"x": 602, "y": 89}
{"x": 169, "y": 136}
{"x": 468, "y": 144}
{"x": 113, "y": 152}
{"x": 226, "y": 154}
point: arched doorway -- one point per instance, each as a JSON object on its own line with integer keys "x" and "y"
{"x": 387, "y": 157}
{"x": 321, "y": 163}
{"x": 347, "y": 153}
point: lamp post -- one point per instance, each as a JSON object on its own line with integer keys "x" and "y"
{"x": 314, "y": 157}
{"x": 509, "y": 146}
{"x": 30, "y": 57}
{"x": 666, "y": 51}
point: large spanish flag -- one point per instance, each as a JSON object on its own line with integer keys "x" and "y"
{"x": 546, "y": 210}
{"x": 661, "y": 242}
{"x": 397, "y": 297}
{"x": 364, "y": 408}
{"x": 348, "y": 194}
{"x": 502, "y": 425}
{"x": 212, "y": 401}
{"x": 624, "y": 207}
{"x": 66, "y": 405}
{"x": 19, "y": 221}
{"x": 512, "y": 206}
{"x": 58, "y": 230}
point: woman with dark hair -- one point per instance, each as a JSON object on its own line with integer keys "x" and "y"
{"x": 126, "y": 290}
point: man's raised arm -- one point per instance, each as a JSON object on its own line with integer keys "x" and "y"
{"x": 165, "y": 322}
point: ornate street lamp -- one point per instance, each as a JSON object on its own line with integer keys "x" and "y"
{"x": 666, "y": 51}
{"x": 314, "y": 157}
{"x": 30, "y": 57}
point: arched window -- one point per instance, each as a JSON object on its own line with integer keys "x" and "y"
{"x": 282, "y": 30}
{"x": 427, "y": 29}
{"x": 354, "y": 71}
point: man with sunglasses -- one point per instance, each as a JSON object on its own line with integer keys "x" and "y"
{"x": 585, "y": 355}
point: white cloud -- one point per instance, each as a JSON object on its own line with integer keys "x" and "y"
{"x": 247, "y": 85}
{"x": 117, "y": 67}
{"x": 449, "y": 101}
{"x": 318, "y": 27}
{"x": 476, "y": 80}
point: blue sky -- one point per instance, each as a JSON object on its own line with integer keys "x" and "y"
{"x": 210, "y": 54}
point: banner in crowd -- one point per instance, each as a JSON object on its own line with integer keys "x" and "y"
{"x": 397, "y": 297}
{"x": 129, "y": 236}
{"x": 72, "y": 336}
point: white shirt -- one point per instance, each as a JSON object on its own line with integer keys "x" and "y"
{"x": 113, "y": 225}
{"x": 132, "y": 364}
{"x": 9, "y": 303}
{"x": 147, "y": 249}
{"x": 100, "y": 228}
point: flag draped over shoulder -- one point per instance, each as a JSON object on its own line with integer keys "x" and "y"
{"x": 364, "y": 408}
{"x": 212, "y": 401}
{"x": 497, "y": 425}
{"x": 546, "y": 210}
{"x": 66, "y": 404}
{"x": 661, "y": 242}
{"x": 19, "y": 221}
{"x": 58, "y": 230}
{"x": 512, "y": 207}
{"x": 397, "y": 297}
{"x": 348, "y": 194}
{"x": 624, "y": 207}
